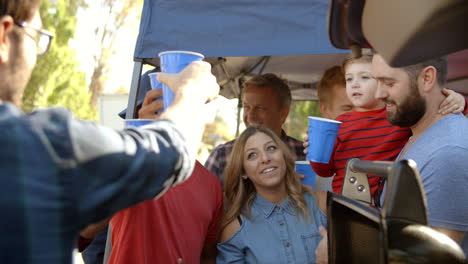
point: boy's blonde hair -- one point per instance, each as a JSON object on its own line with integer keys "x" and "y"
{"x": 366, "y": 57}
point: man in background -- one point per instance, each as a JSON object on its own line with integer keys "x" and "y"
{"x": 266, "y": 100}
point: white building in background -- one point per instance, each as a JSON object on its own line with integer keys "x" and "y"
{"x": 109, "y": 106}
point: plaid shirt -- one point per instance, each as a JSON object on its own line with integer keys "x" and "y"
{"x": 218, "y": 158}
{"x": 59, "y": 175}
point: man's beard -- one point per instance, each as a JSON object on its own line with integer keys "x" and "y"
{"x": 410, "y": 111}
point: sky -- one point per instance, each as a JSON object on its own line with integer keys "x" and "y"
{"x": 121, "y": 63}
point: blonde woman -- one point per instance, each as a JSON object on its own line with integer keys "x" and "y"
{"x": 270, "y": 216}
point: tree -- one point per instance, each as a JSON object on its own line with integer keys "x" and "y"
{"x": 297, "y": 122}
{"x": 56, "y": 80}
{"x": 116, "y": 14}
{"x": 216, "y": 132}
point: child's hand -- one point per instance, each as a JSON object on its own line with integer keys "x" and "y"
{"x": 453, "y": 103}
{"x": 305, "y": 144}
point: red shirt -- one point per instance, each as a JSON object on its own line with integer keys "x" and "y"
{"x": 177, "y": 225}
{"x": 367, "y": 136}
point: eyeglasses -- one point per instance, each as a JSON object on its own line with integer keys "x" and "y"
{"x": 42, "y": 39}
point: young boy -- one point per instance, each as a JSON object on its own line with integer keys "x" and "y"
{"x": 365, "y": 132}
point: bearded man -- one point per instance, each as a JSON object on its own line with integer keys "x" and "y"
{"x": 439, "y": 145}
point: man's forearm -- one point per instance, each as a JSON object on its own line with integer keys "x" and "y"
{"x": 91, "y": 231}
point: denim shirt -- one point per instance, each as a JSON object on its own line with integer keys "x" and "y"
{"x": 275, "y": 234}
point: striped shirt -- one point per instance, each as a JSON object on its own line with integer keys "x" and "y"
{"x": 217, "y": 161}
{"x": 367, "y": 136}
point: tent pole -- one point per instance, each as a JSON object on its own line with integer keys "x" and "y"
{"x": 239, "y": 104}
{"x": 265, "y": 62}
{"x": 134, "y": 87}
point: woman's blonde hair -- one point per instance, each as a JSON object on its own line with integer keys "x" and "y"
{"x": 239, "y": 193}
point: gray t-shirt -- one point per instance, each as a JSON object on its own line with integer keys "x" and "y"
{"x": 441, "y": 155}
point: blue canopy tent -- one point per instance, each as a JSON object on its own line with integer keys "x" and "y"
{"x": 240, "y": 38}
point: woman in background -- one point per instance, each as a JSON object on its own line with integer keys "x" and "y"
{"x": 270, "y": 216}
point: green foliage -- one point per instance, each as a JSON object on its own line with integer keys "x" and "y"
{"x": 296, "y": 123}
{"x": 56, "y": 80}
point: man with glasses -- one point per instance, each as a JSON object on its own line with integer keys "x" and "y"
{"x": 59, "y": 174}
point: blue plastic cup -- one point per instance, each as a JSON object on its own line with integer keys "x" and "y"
{"x": 303, "y": 167}
{"x": 322, "y": 134}
{"x": 156, "y": 85}
{"x": 138, "y": 122}
{"x": 173, "y": 62}
{"x": 154, "y": 81}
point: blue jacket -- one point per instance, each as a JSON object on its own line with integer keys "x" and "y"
{"x": 58, "y": 175}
